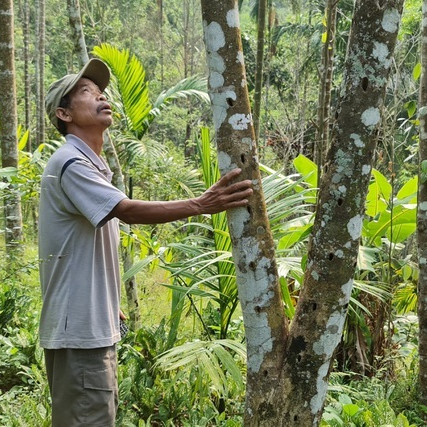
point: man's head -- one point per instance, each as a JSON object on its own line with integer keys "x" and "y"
{"x": 95, "y": 74}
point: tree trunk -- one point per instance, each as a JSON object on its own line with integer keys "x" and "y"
{"x": 262, "y": 6}
{"x": 422, "y": 218}
{"x": 27, "y": 79}
{"x": 319, "y": 319}
{"x": 40, "y": 132}
{"x": 253, "y": 246}
{"x": 326, "y": 72}
{"x": 8, "y": 126}
{"x": 77, "y": 33}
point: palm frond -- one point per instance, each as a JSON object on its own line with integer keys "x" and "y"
{"x": 133, "y": 87}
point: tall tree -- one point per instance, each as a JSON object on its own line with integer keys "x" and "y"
{"x": 422, "y": 218}
{"x": 253, "y": 246}
{"x": 77, "y": 33}
{"x": 288, "y": 370}
{"x": 8, "y": 125}
{"x": 325, "y": 90}
{"x": 40, "y": 72}
{"x": 262, "y": 7}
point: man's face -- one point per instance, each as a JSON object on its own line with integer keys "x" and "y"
{"x": 88, "y": 106}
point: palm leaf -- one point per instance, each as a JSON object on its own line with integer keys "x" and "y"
{"x": 133, "y": 87}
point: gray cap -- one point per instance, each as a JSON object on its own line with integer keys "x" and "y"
{"x": 95, "y": 70}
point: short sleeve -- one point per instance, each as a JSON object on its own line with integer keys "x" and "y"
{"x": 90, "y": 191}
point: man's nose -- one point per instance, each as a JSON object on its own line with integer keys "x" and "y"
{"x": 102, "y": 97}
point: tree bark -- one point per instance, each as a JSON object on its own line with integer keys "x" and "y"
{"x": 325, "y": 90}
{"x": 422, "y": 218}
{"x": 8, "y": 127}
{"x": 262, "y": 6}
{"x": 41, "y": 128}
{"x": 253, "y": 246}
{"x": 319, "y": 319}
{"x": 77, "y": 33}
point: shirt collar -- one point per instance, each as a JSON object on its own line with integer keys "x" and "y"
{"x": 98, "y": 161}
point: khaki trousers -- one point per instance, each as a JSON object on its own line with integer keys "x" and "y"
{"x": 83, "y": 386}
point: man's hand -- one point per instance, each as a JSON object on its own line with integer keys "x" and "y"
{"x": 224, "y": 195}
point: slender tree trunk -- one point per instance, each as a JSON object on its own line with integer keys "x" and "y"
{"x": 325, "y": 90}
{"x": 422, "y": 218}
{"x": 77, "y": 33}
{"x": 113, "y": 162}
{"x": 27, "y": 78}
{"x": 262, "y": 6}
{"x": 8, "y": 125}
{"x": 319, "y": 319}
{"x": 253, "y": 246}
{"x": 41, "y": 129}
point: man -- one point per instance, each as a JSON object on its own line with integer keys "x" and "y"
{"x": 78, "y": 247}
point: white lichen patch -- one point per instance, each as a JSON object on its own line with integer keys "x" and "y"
{"x": 315, "y": 275}
{"x": 422, "y": 261}
{"x": 240, "y": 121}
{"x": 357, "y": 141}
{"x": 371, "y": 117}
{"x": 381, "y": 53}
{"x": 224, "y": 162}
{"x": 422, "y": 206}
{"x": 346, "y": 290}
{"x": 348, "y": 245}
{"x": 342, "y": 189}
{"x": 244, "y": 83}
{"x": 422, "y": 111}
{"x": 239, "y": 58}
{"x": 238, "y": 219}
{"x": 339, "y": 253}
{"x": 233, "y": 17}
{"x": 354, "y": 227}
{"x": 391, "y": 19}
{"x": 248, "y": 141}
{"x": 317, "y": 400}
{"x": 366, "y": 169}
{"x": 327, "y": 342}
{"x": 216, "y": 80}
{"x": 214, "y": 36}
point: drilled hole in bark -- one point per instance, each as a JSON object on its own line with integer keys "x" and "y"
{"x": 265, "y": 373}
{"x": 295, "y": 417}
{"x": 336, "y": 115}
{"x": 331, "y": 256}
{"x": 249, "y": 210}
{"x": 325, "y": 169}
{"x": 355, "y": 264}
{"x": 314, "y": 306}
{"x": 299, "y": 358}
{"x": 365, "y": 83}
{"x": 340, "y": 202}
{"x": 252, "y": 265}
{"x": 243, "y": 158}
{"x": 230, "y": 102}
{"x": 258, "y": 309}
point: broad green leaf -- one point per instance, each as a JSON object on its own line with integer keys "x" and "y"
{"x": 383, "y": 183}
{"x": 350, "y": 409}
{"x": 409, "y": 191}
{"x": 307, "y": 169}
{"x": 287, "y": 299}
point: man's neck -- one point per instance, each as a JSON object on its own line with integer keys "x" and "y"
{"x": 92, "y": 139}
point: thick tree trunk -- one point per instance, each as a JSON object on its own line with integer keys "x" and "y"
{"x": 318, "y": 323}
{"x": 253, "y": 246}
{"x": 262, "y": 6}
{"x": 325, "y": 90}
{"x": 8, "y": 126}
{"x": 422, "y": 218}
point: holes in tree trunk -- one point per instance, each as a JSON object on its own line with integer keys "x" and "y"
{"x": 295, "y": 417}
{"x": 331, "y": 256}
{"x": 243, "y": 158}
{"x": 265, "y": 373}
{"x": 340, "y": 202}
{"x": 258, "y": 309}
{"x": 249, "y": 209}
{"x": 299, "y": 357}
{"x": 314, "y": 306}
{"x": 365, "y": 83}
{"x": 230, "y": 102}
{"x": 252, "y": 265}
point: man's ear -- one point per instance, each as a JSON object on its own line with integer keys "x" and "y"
{"x": 63, "y": 114}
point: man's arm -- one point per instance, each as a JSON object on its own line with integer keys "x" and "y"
{"x": 221, "y": 196}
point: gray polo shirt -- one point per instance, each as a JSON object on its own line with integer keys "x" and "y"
{"x": 79, "y": 266}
